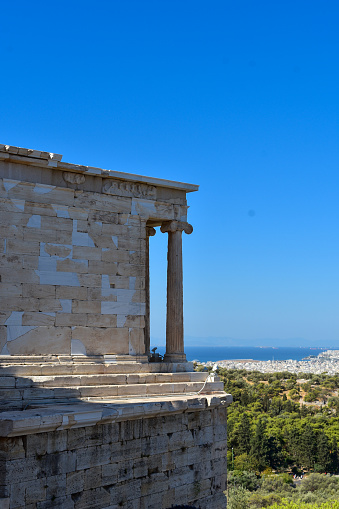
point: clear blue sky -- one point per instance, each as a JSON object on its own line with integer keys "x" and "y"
{"x": 239, "y": 97}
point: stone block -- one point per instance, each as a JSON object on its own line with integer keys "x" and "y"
{"x": 115, "y": 255}
{"x": 38, "y": 318}
{"x": 56, "y": 223}
{"x": 36, "y": 444}
{"x": 41, "y": 209}
{"x": 99, "y": 320}
{"x": 44, "y": 339}
{"x": 220, "y": 432}
{"x": 180, "y": 439}
{"x": 56, "y": 441}
{"x": 198, "y": 490}
{"x": 181, "y": 476}
{"x": 22, "y": 276}
{"x": 7, "y": 382}
{"x": 136, "y": 341}
{"x": 86, "y": 306}
{"x": 127, "y": 269}
{"x": 64, "y": 237}
{"x": 168, "y": 499}
{"x": 102, "y": 202}
{"x": 121, "y": 493}
{"x": 92, "y": 457}
{"x": 40, "y": 193}
{"x": 64, "y": 502}
{"x": 93, "y": 436}
{"x": 39, "y": 291}
{"x": 123, "y": 451}
{"x": 92, "y": 499}
{"x": 70, "y": 292}
{"x": 127, "y": 430}
{"x": 102, "y": 267}
{"x": 171, "y": 424}
{"x": 132, "y": 390}
{"x": 56, "y": 486}
{"x": 112, "y": 229}
{"x": 57, "y": 463}
{"x": 95, "y": 477}
{"x": 125, "y": 470}
{"x": 38, "y": 234}
{"x": 155, "y": 483}
{"x": 99, "y": 340}
{"x": 50, "y": 305}
{"x": 86, "y": 253}
{"x": 110, "y": 433}
{"x": 76, "y": 438}
{"x": 11, "y": 290}
{"x": 35, "y": 491}
{"x": 70, "y": 320}
{"x": 154, "y": 443}
{"x": 17, "y": 495}
{"x": 11, "y": 448}
{"x": 22, "y": 470}
{"x": 110, "y": 474}
{"x": 90, "y": 280}
{"x": 220, "y": 449}
{"x": 74, "y": 482}
{"x": 17, "y": 247}
{"x": 28, "y": 261}
{"x": 75, "y": 266}
{"x": 140, "y": 468}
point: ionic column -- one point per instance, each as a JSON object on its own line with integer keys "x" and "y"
{"x": 174, "y": 316}
{"x": 150, "y": 232}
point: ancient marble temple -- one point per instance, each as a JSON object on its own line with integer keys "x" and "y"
{"x": 87, "y": 420}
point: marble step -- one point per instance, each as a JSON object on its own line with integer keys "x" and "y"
{"x": 14, "y": 398}
{"x": 14, "y": 381}
{"x": 34, "y": 368}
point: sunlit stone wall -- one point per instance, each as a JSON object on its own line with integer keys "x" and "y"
{"x": 73, "y": 247}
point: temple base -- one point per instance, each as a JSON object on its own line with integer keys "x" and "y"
{"x": 175, "y": 357}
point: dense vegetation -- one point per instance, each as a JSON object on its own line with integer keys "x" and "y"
{"x": 282, "y": 426}
{"x": 248, "y": 491}
{"x": 282, "y": 421}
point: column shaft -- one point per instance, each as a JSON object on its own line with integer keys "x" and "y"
{"x": 174, "y": 315}
{"x": 147, "y": 298}
{"x": 150, "y": 232}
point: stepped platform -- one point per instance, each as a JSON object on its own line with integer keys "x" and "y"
{"x": 33, "y": 382}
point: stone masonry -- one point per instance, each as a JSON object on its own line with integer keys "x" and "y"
{"x": 86, "y": 420}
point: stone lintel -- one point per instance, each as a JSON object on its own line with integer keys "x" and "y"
{"x": 49, "y": 159}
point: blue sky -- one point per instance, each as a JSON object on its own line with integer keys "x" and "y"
{"x": 239, "y": 97}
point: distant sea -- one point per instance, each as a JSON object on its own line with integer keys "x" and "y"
{"x": 220, "y": 353}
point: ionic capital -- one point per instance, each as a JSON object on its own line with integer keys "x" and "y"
{"x": 175, "y": 226}
{"x": 150, "y": 231}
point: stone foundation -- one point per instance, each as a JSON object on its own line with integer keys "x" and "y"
{"x": 148, "y": 463}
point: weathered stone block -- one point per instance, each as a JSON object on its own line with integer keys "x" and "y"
{"x": 98, "y": 476}
{"x": 35, "y": 491}
{"x": 75, "y": 482}
{"x": 56, "y": 486}
{"x": 92, "y": 457}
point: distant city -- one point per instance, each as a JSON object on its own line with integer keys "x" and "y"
{"x": 324, "y": 362}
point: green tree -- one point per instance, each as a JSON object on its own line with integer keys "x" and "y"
{"x": 323, "y": 452}
{"x": 243, "y": 435}
{"x": 307, "y": 446}
{"x": 260, "y": 446}
{"x": 334, "y": 455}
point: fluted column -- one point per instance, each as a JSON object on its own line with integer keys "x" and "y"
{"x": 174, "y": 316}
{"x": 150, "y": 232}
